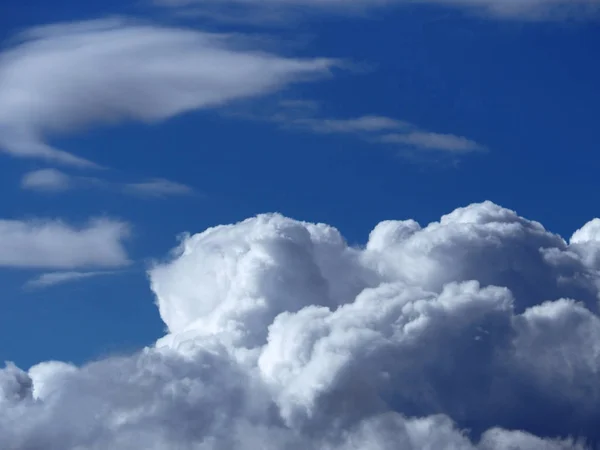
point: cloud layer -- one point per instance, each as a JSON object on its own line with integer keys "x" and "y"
{"x": 479, "y": 331}
{"x": 53, "y": 244}
{"x": 61, "y": 78}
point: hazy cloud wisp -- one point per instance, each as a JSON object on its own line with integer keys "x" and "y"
{"x": 55, "y": 181}
{"x": 433, "y": 141}
{"x": 46, "y": 180}
{"x": 372, "y": 128}
{"x": 157, "y": 187}
{"x": 50, "y": 279}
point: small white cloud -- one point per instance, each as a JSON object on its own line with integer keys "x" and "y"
{"x": 60, "y": 78}
{"x": 54, "y": 278}
{"x": 52, "y": 244}
{"x": 434, "y": 141}
{"x": 47, "y": 180}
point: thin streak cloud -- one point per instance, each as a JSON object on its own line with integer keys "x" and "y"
{"x": 434, "y": 141}
{"x": 54, "y": 181}
{"x": 373, "y": 128}
{"x": 50, "y": 279}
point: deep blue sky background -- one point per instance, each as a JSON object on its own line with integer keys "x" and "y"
{"x": 528, "y": 91}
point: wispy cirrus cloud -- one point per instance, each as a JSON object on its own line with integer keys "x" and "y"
{"x": 54, "y": 244}
{"x": 304, "y": 116}
{"x": 55, "y": 181}
{"x": 428, "y": 140}
{"x": 274, "y": 9}
{"x": 368, "y": 123}
{"x": 61, "y": 78}
{"x": 51, "y": 279}
{"x": 157, "y": 187}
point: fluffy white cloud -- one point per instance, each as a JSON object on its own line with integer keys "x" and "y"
{"x": 55, "y": 181}
{"x": 477, "y": 332}
{"x": 513, "y": 9}
{"x": 56, "y": 245}
{"x": 60, "y": 78}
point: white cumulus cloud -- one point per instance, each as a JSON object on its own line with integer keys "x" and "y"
{"x": 53, "y": 244}
{"x": 476, "y": 332}
{"x": 61, "y": 78}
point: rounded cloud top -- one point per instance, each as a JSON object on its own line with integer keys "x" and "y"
{"x": 236, "y": 279}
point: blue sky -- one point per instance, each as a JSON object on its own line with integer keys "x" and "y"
{"x": 407, "y": 112}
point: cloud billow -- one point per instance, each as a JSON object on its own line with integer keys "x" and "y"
{"x": 477, "y": 332}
